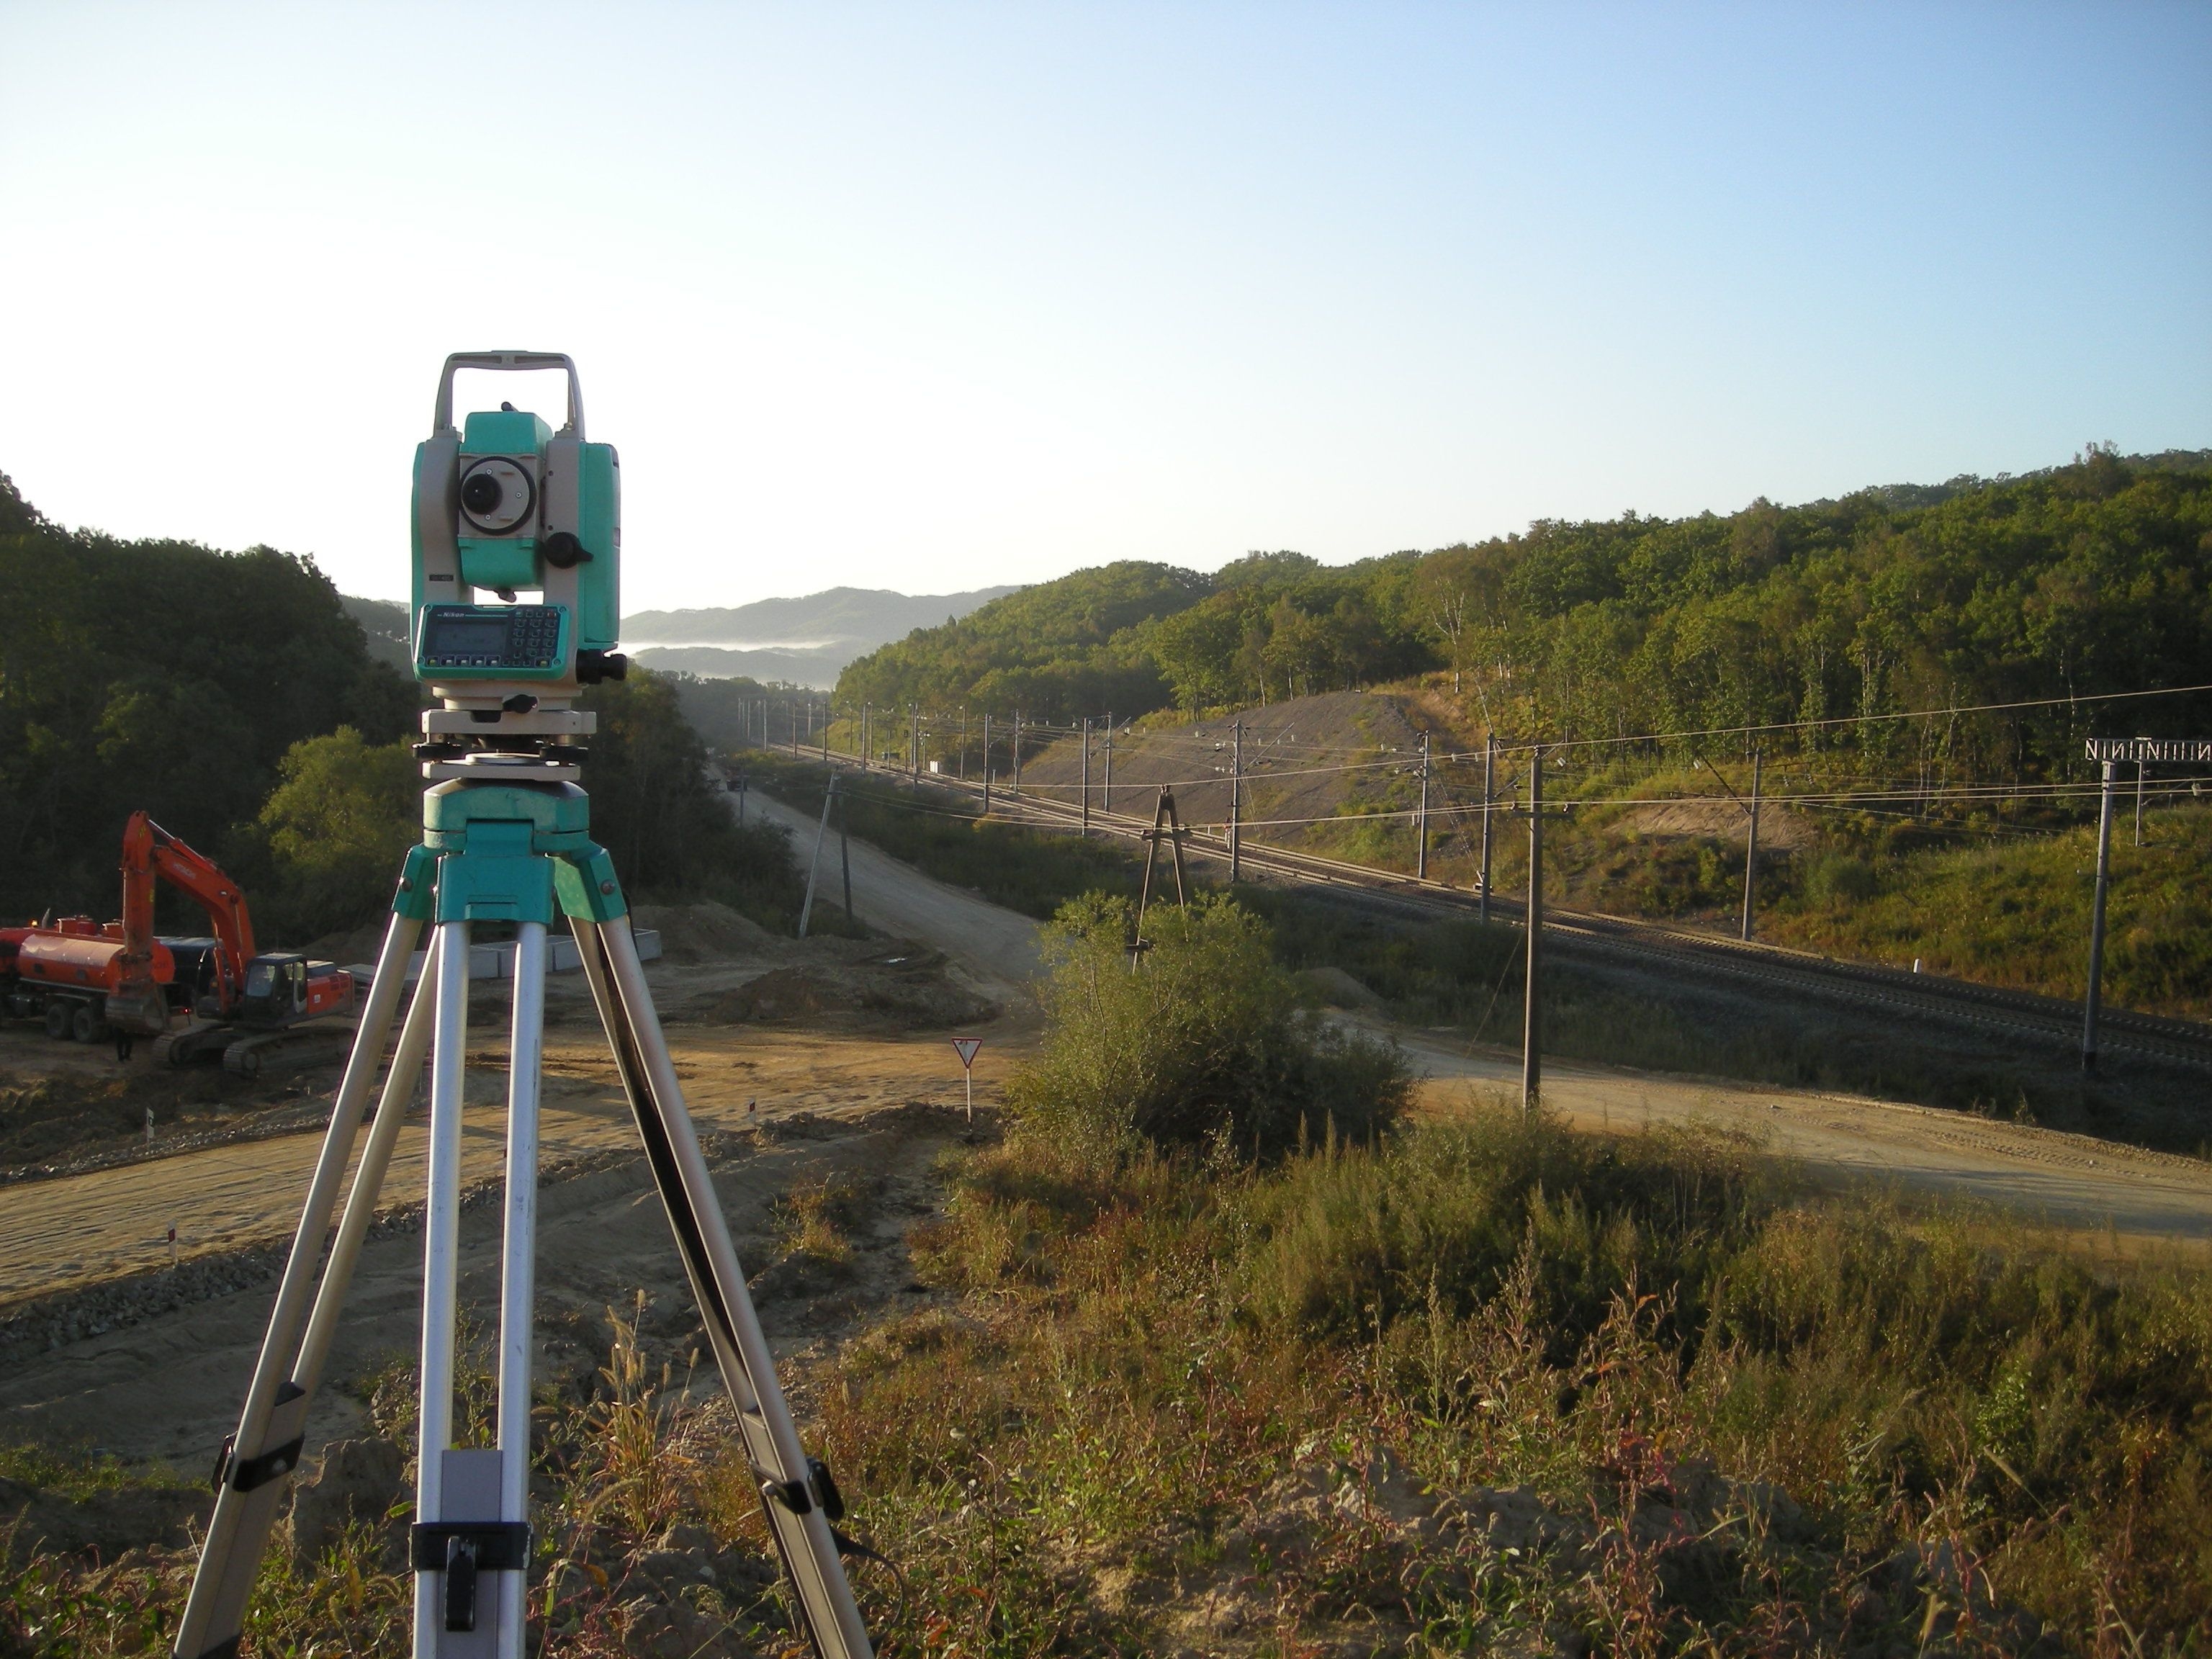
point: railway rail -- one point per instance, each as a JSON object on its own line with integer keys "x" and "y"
{"x": 1651, "y": 945}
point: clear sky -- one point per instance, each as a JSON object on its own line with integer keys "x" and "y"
{"x": 927, "y": 297}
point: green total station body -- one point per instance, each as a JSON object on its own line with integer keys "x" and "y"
{"x": 505, "y": 503}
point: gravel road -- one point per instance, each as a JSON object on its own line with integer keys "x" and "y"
{"x": 995, "y": 945}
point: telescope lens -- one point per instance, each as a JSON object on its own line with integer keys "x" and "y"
{"x": 496, "y": 497}
{"x": 480, "y": 494}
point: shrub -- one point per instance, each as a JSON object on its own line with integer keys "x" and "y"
{"x": 1203, "y": 1044}
{"x": 337, "y": 826}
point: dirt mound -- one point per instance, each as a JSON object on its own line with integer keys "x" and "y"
{"x": 1779, "y": 830}
{"x": 58, "y": 1121}
{"x": 908, "y": 989}
{"x": 106, "y": 1523}
{"x": 1295, "y": 757}
{"x": 706, "y": 931}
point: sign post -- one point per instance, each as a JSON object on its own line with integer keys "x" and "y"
{"x": 2110, "y": 752}
{"x": 966, "y": 1048}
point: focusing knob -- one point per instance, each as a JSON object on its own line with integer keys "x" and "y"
{"x": 562, "y": 551}
{"x": 593, "y": 666}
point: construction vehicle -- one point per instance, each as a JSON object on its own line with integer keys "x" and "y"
{"x": 92, "y": 981}
{"x": 246, "y": 1004}
{"x": 66, "y": 971}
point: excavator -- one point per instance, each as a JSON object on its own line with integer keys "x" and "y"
{"x": 120, "y": 979}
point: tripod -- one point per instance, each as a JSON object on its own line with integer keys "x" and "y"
{"x": 505, "y": 835}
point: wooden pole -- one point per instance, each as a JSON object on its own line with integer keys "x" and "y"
{"x": 2092, "y": 1002}
{"x": 1236, "y": 802}
{"x": 1751, "y": 849}
{"x": 1421, "y": 819}
{"x": 1532, "y": 1026}
{"x": 1489, "y": 776}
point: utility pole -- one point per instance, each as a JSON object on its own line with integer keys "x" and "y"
{"x": 1531, "y": 1027}
{"x": 1017, "y": 789}
{"x": 1421, "y": 820}
{"x": 814, "y": 867}
{"x": 867, "y": 754}
{"x": 963, "y": 742}
{"x": 845, "y": 854}
{"x": 986, "y": 765}
{"x": 1489, "y": 776}
{"x": 2139, "y": 795}
{"x": 1107, "y": 804}
{"x": 1086, "y": 777}
{"x": 825, "y": 732}
{"x": 1236, "y": 793}
{"x": 2090, "y": 1003}
{"x": 1751, "y": 848}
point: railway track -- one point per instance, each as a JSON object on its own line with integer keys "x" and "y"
{"x": 1656, "y": 946}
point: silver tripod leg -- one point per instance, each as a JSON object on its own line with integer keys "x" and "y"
{"x": 793, "y": 1496}
{"x": 472, "y": 1505}
{"x": 251, "y": 1474}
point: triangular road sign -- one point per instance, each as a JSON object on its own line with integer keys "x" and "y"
{"x": 966, "y": 1048}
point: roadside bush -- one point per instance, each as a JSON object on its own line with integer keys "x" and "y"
{"x": 1203, "y": 1044}
{"x": 1839, "y": 878}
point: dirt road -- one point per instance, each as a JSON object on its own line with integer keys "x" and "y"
{"x": 169, "y": 1387}
{"x": 994, "y": 944}
{"x": 56, "y": 1235}
{"x": 2066, "y": 1181}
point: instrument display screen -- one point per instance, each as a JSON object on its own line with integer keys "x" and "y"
{"x": 529, "y": 640}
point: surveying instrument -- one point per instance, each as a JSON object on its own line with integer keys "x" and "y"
{"x": 501, "y": 505}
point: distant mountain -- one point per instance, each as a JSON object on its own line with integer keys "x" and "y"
{"x": 873, "y": 615}
{"x": 384, "y": 622}
{"x": 816, "y": 667}
{"x": 804, "y": 641}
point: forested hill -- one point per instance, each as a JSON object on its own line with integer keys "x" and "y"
{"x": 158, "y": 674}
{"x": 2092, "y": 577}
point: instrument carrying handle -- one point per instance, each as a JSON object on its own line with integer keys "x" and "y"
{"x": 497, "y": 361}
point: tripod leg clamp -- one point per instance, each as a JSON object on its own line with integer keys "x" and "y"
{"x": 461, "y": 1550}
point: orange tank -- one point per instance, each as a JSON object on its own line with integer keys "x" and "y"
{"x": 88, "y": 960}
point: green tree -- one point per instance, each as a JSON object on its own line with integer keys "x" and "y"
{"x": 343, "y": 815}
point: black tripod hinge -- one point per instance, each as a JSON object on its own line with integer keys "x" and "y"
{"x": 500, "y": 1546}
{"x": 247, "y": 1473}
{"x": 791, "y": 1494}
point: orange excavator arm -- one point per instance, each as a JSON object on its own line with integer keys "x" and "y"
{"x": 149, "y": 851}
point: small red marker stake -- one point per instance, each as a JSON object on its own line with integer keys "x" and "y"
{"x": 966, "y": 1048}
{"x": 173, "y": 1247}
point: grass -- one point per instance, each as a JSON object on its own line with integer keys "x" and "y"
{"x": 2002, "y": 906}
{"x": 1145, "y": 1355}
{"x": 1471, "y": 979}
{"x": 2016, "y": 912}
{"x": 1175, "y": 1402}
